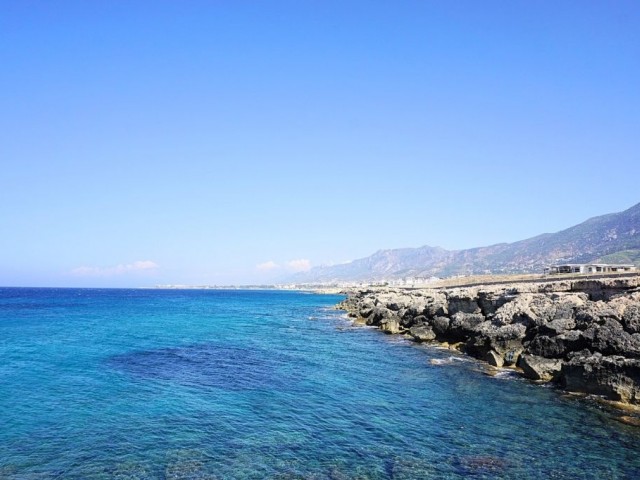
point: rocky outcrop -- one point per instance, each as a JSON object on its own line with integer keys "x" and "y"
{"x": 540, "y": 368}
{"x": 613, "y": 376}
{"x": 582, "y": 334}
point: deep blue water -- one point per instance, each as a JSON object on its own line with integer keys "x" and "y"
{"x": 152, "y": 384}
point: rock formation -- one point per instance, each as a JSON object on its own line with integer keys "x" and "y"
{"x": 582, "y": 334}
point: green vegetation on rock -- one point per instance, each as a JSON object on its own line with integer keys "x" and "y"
{"x": 625, "y": 256}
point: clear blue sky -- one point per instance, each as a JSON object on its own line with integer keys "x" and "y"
{"x": 189, "y": 142}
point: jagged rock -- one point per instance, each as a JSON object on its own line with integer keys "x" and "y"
{"x": 378, "y": 315}
{"x": 436, "y": 305}
{"x": 492, "y": 358}
{"x": 365, "y": 312}
{"x": 390, "y": 325}
{"x": 543, "y": 308}
{"x": 463, "y": 301}
{"x": 558, "y": 305}
{"x": 594, "y": 313}
{"x": 440, "y": 326}
{"x": 615, "y": 377}
{"x": 416, "y": 321}
{"x": 611, "y": 339}
{"x": 490, "y": 301}
{"x": 411, "y": 312}
{"x": 367, "y": 302}
{"x": 422, "y": 333}
{"x": 551, "y": 329}
{"x": 557, "y": 326}
{"x": 539, "y": 368}
{"x": 506, "y": 341}
{"x": 631, "y": 318}
{"x": 517, "y": 311}
{"x": 401, "y": 301}
{"x": 464, "y": 324}
{"x": 536, "y": 309}
{"x": 602, "y": 288}
{"x": 557, "y": 346}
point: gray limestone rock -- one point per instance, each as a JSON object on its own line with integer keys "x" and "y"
{"x": 463, "y": 301}
{"x": 407, "y": 320}
{"x": 517, "y": 311}
{"x": 595, "y": 313}
{"x": 390, "y": 325}
{"x": 557, "y": 346}
{"x": 557, "y": 326}
{"x": 365, "y": 312}
{"x": 378, "y": 315}
{"x": 506, "y": 341}
{"x": 490, "y": 301}
{"x": 584, "y": 333}
{"x": 615, "y": 377}
{"x": 436, "y": 305}
{"x": 463, "y": 325}
{"x": 422, "y": 333}
{"x": 631, "y": 318}
{"x": 493, "y": 358}
{"x": 539, "y": 368}
{"x": 610, "y": 338}
{"x": 440, "y": 326}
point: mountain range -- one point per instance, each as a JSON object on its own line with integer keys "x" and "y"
{"x": 611, "y": 238}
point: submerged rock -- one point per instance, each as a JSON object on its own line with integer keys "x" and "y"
{"x": 474, "y": 465}
{"x": 629, "y": 420}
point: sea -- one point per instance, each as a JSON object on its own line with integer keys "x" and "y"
{"x": 230, "y": 384}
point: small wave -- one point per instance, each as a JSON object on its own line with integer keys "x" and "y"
{"x": 506, "y": 374}
{"x": 348, "y": 326}
{"x": 447, "y": 361}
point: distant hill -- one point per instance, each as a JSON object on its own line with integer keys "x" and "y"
{"x": 613, "y": 238}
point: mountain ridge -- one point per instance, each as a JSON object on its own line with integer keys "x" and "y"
{"x": 602, "y": 238}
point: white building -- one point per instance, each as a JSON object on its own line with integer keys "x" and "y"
{"x": 589, "y": 268}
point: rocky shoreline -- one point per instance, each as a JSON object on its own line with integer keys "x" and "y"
{"x": 583, "y": 335}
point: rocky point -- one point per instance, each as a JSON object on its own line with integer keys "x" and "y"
{"x": 581, "y": 334}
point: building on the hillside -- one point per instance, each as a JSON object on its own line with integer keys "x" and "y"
{"x": 412, "y": 281}
{"x": 588, "y": 268}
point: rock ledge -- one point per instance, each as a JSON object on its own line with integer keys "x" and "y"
{"x": 583, "y": 335}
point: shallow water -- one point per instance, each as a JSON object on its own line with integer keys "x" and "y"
{"x": 152, "y": 384}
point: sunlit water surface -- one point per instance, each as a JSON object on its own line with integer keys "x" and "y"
{"x": 153, "y": 384}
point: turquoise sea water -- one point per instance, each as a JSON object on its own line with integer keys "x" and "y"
{"x": 152, "y": 384}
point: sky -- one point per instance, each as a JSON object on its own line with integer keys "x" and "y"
{"x": 236, "y": 142}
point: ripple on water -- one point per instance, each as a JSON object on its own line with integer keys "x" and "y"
{"x": 168, "y": 385}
